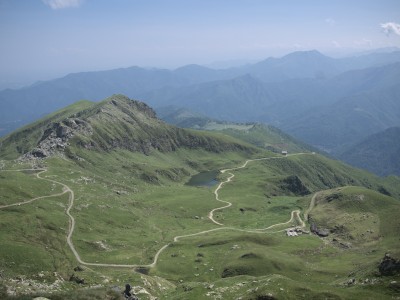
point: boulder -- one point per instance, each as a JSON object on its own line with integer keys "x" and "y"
{"x": 77, "y": 279}
{"x": 389, "y": 266}
{"x": 322, "y": 232}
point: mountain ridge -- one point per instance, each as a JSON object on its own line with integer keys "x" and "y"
{"x": 298, "y": 105}
{"x": 116, "y": 122}
{"x": 379, "y": 153}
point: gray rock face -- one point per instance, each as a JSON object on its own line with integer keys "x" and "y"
{"x": 56, "y": 137}
{"x": 322, "y": 232}
{"x": 318, "y": 231}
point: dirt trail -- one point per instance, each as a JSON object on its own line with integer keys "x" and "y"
{"x": 66, "y": 189}
{"x": 229, "y": 179}
{"x": 34, "y": 199}
{"x": 311, "y": 206}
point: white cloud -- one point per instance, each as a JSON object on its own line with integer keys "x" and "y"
{"x": 60, "y": 4}
{"x": 330, "y": 21}
{"x": 391, "y": 27}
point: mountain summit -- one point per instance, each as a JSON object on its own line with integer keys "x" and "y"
{"x": 116, "y": 122}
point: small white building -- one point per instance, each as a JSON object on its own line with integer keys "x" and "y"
{"x": 284, "y": 152}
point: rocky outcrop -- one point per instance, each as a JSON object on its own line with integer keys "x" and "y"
{"x": 318, "y": 231}
{"x": 56, "y": 137}
{"x": 115, "y": 123}
{"x": 76, "y": 279}
{"x": 389, "y": 266}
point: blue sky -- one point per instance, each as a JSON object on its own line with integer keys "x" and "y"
{"x": 42, "y": 39}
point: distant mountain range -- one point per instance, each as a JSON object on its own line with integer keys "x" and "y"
{"x": 21, "y": 106}
{"x": 329, "y": 113}
{"x": 326, "y": 102}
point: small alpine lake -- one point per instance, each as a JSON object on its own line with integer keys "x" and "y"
{"x": 207, "y": 178}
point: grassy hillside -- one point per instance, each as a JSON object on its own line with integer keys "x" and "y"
{"x": 121, "y": 175}
{"x": 360, "y": 217}
{"x": 268, "y": 137}
{"x": 26, "y": 138}
{"x": 260, "y": 135}
{"x": 116, "y": 122}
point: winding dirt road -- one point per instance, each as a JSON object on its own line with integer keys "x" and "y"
{"x": 34, "y": 199}
{"x": 229, "y": 179}
{"x": 311, "y": 206}
{"x": 66, "y": 189}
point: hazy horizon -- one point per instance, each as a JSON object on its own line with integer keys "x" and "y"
{"x": 44, "y": 39}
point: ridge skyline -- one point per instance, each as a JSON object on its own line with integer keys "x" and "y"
{"x": 213, "y": 65}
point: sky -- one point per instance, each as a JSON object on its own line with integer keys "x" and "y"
{"x": 44, "y": 39}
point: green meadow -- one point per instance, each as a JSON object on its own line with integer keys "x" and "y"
{"x": 124, "y": 217}
{"x": 136, "y": 217}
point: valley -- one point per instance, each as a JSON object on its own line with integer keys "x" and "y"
{"x": 98, "y": 211}
{"x": 67, "y": 189}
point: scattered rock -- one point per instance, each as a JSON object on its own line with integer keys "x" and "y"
{"x": 142, "y": 270}
{"x": 56, "y": 137}
{"x": 268, "y": 296}
{"x": 395, "y": 285}
{"x": 39, "y": 153}
{"x": 334, "y": 196}
{"x": 101, "y": 245}
{"x": 338, "y": 229}
{"x": 78, "y": 269}
{"x": 77, "y": 279}
{"x": 250, "y": 255}
{"x": 345, "y": 245}
{"x": 360, "y": 197}
{"x": 351, "y": 281}
{"x": 318, "y": 231}
{"x": 244, "y": 209}
{"x": 322, "y": 232}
